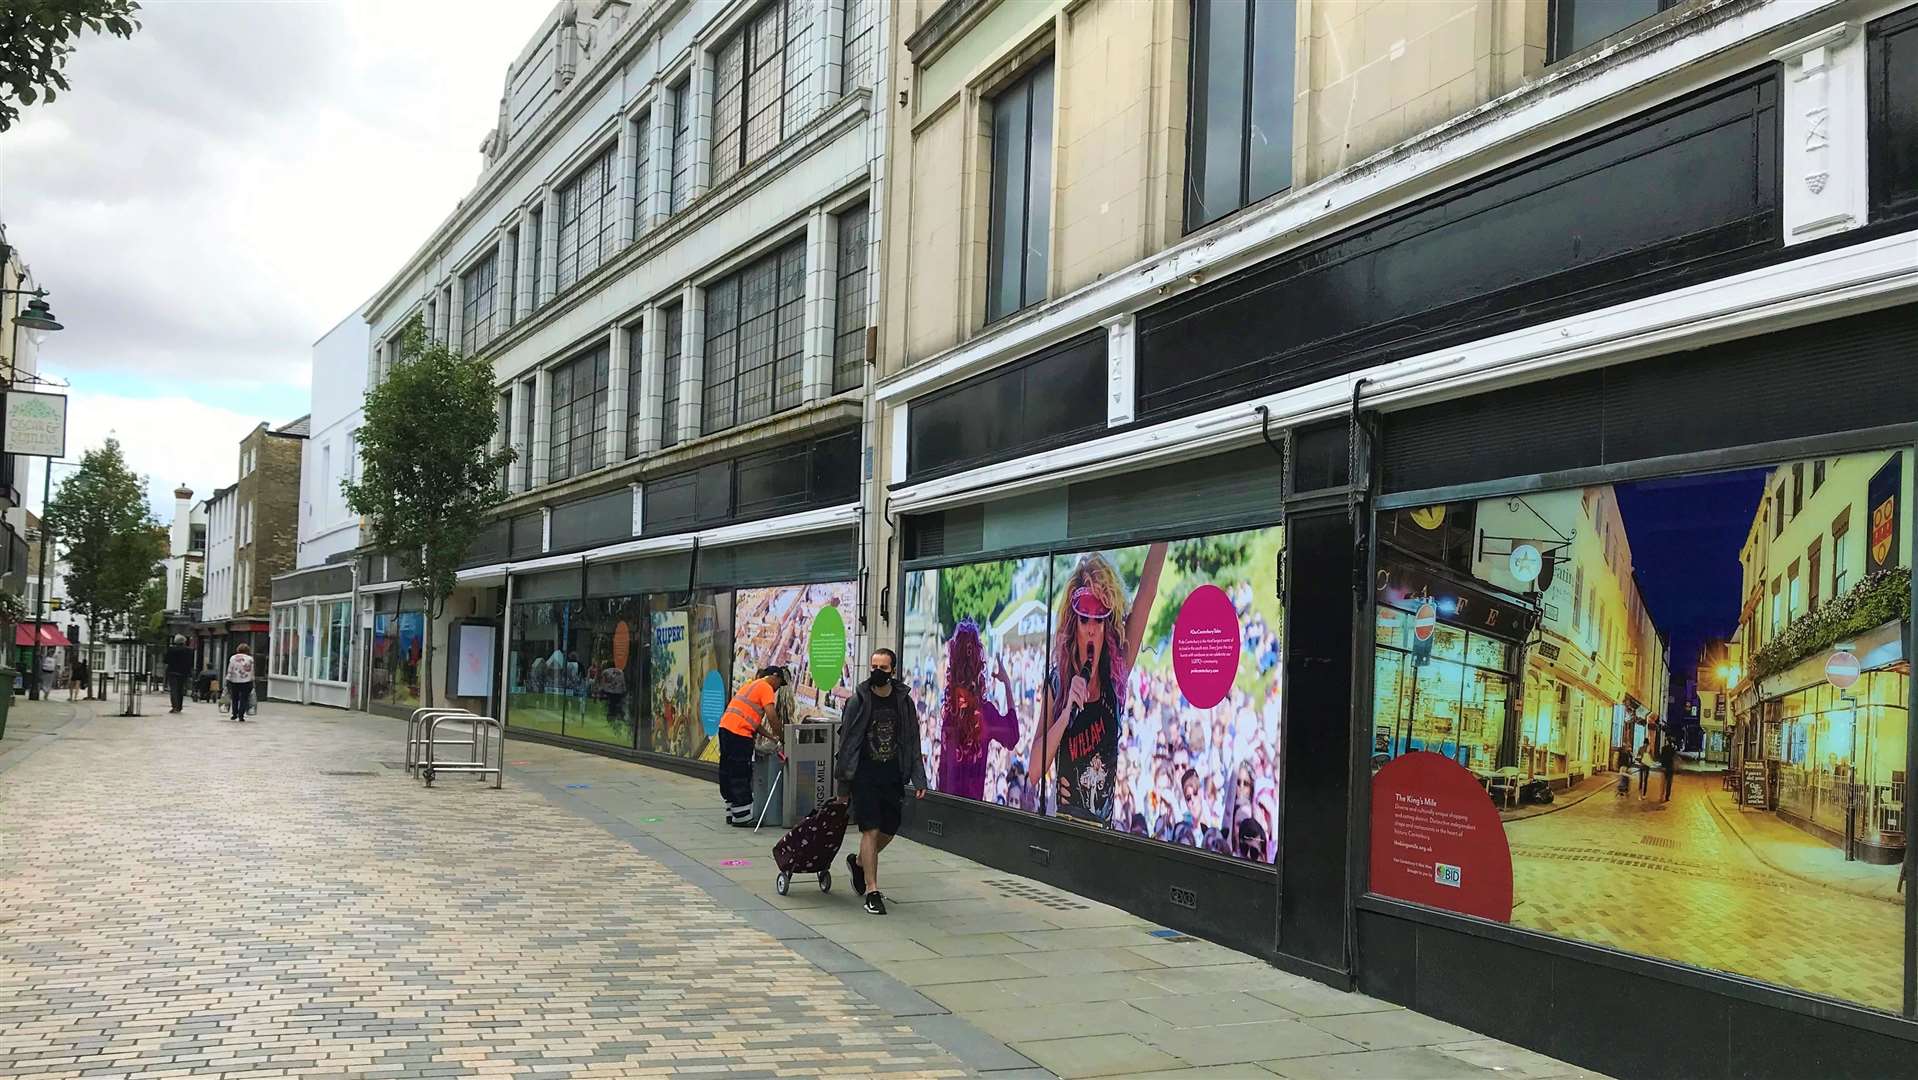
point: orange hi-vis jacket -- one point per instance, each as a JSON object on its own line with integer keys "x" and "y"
{"x": 749, "y": 708}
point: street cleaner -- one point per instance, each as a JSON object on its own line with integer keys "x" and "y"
{"x": 753, "y": 711}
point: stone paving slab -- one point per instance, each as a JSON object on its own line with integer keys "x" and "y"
{"x": 627, "y": 947}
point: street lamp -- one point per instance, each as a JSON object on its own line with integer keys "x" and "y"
{"x": 37, "y": 316}
{"x": 46, "y": 578}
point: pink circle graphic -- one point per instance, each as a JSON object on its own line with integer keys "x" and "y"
{"x": 1205, "y": 646}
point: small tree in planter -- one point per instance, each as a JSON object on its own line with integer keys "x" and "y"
{"x": 428, "y": 474}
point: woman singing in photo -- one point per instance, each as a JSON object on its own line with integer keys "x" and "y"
{"x": 1097, "y": 639}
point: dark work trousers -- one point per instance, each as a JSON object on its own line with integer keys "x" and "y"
{"x": 736, "y": 775}
{"x": 242, "y": 695}
{"x": 176, "y": 690}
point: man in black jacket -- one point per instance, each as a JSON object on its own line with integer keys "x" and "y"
{"x": 878, "y": 758}
{"x": 179, "y": 668}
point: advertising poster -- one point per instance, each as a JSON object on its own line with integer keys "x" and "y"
{"x": 676, "y": 728}
{"x": 781, "y": 625}
{"x": 1543, "y": 750}
{"x": 975, "y": 639}
{"x": 1133, "y": 688}
{"x": 1179, "y": 643}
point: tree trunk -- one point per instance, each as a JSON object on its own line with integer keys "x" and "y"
{"x": 426, "y": 655}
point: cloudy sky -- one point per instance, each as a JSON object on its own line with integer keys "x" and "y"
{"x": 218, "y": 192}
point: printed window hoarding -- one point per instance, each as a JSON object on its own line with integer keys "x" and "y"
{"x": 691, "y": 653}
{"x": 1549, "y": 747}
{"x": 398, "y": 639}
{"x": 803, "y": 628}
{"x": 1135, "y": 688}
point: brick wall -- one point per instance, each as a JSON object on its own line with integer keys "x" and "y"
{"x": 272, "y": 489}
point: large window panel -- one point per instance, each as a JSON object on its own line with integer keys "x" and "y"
{"x": 479, "y": 301}
{"x": 754, "y": 340}
{"x": 672, "y": 326}
{"x": 642, "y": 172}
{"x": 579, "y": 415}
{"x": 1577, "y": 25}
{"x": 1548, "y": 746}
{"x": 859, "y": 61}
{"x": 635, "y": 387}
{"x": 1892, "y": 91}
{"x": 850, "y": 299}
{"x": 588, "y": 219}
{"x": 1243, "y": 64}
{"x": 1020, "y": 226}
{"x": 681, "y": 191}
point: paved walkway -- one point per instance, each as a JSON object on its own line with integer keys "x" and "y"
{"x": 195, "y": 897}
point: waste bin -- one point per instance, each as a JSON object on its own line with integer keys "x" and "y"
{"x": 810, "y": 747}
{"x": 804, "y": 778}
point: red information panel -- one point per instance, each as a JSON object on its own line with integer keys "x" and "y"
{"x": 1437, "y": 839}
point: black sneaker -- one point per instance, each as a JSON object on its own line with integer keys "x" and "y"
{"x": 875, "y": 904}
{"x": 858, "y": 875}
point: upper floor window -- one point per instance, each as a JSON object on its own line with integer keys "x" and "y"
{"x": 536, "y": 254}
{"x": 579, "y": 415}
{"x": 681, "y": 191}
{"x": 857, "y": 59}
{"x": 509, "y": 258}
{"x": 588, "y": 219}
{"x": 479, "y": 301}
{"x": 759, "y": 77}
{"x": 672, "y": 329}
{"x": 755, "y": 340}
{"x": 642, "y": 172}
{"x": 849, "y": 325}
{"x": 1576, "y": 25}
{"x": 1020, "y": 225}
{"x": 523, "y": 439}
{"x": 1243, "y": 57}
{"x": 635, "y": 386}
{"x": 506, "y": 437}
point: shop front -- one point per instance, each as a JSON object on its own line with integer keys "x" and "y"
{"x": 310, "y": 660}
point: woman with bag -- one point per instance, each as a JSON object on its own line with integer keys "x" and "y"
{"x": 239, "y": 681}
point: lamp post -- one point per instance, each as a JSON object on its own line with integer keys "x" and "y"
{"x": 37, "y": 316}
{"x": 46, "y": 577}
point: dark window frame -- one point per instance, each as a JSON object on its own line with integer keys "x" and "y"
{"x": 635, "y": 386}
{"x": 642, "y": 171}
{"x": 588, "y": 205}
{"x": 1018, "y": 97}
{"x": 583, "y": 451}
{"x": 680, "y": 154}
{"x": 1560, "y": 25}
{"x": 1893, "y": 191}
{"x": 479, "y": 302}
{"x": 1198, "y": 77}
{"x": 852, "y": 292}
{"x": 672, "y": 324}
{"x": 755, "y": 334}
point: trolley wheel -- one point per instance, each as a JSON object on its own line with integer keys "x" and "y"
{"x": 427, "y": 775}
{"x": 782, "y": 883}
{"x": 825, "y": 881}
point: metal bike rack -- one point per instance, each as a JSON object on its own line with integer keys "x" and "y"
{"x": 416, "y": 735}
{"x": 488, "y": 742}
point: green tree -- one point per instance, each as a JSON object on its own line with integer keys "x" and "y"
{"x": 975, "y": 590}
{"x": 36, "y": 37}
{"x": 428, "y": 475}
{"x": 100, "y": 514}
{"x": 147, "y": 621}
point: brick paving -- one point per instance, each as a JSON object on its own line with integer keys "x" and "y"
{"x": 191, "y": 897}
{"x": 1675, "y": 880}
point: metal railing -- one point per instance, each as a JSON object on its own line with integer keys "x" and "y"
{"x": 485, "y": 745}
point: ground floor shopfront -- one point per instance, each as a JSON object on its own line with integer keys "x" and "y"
{"x": 308, "y": 655}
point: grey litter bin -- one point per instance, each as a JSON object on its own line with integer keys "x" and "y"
{"x": 766, "y": 768}
{"x": 810, "y": 746}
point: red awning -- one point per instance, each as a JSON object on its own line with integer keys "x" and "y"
{"x": 50, "y": 635}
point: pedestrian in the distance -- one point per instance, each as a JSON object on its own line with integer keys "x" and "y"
{"x": 878, "y": 758}
{"x": 239, "y": 681}
{"x": 81, "y": 684}
{"x": 179, "y": 668}
{"x": 1668, "y": 760}
{"x": 1644, "y": 762}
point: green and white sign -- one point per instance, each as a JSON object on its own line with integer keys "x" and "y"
{"x": 36, "y": 424}
{"x": 826, "y": 648}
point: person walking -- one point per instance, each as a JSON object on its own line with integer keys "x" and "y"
{"x": 179, "y": 668}
{"x": 879, "y": 758}
{"x": 1644, "y": 762}
{"x": 1668, "y": 761}
{"x": 81, "y": 682}
{"x": 753, "y": 708}
{"x": 239, "y": 681}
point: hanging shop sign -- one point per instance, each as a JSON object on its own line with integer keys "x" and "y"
{"x": 1456, "y": 603}
{"x": 1882, "y": 496}
{"x": 36, "y": 424}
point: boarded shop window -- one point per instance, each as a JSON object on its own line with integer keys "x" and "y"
{"x": 1049, "y": 399}
{"x": 1134, "y": 688}
{"x": 1471, "y": 728}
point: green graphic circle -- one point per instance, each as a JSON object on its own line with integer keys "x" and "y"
{"x": 826, "y": 649}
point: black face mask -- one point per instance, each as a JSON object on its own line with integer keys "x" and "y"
{"x": 880, "y": 678}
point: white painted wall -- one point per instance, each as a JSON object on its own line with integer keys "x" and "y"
{"x": 219, "y": 555}
{"x": 327, "y": 527}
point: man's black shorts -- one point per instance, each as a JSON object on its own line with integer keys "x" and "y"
{"x": 878, "y": 806}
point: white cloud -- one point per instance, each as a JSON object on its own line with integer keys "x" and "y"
{"x": 217, "y": 192}
{"x": 171, "y": 440}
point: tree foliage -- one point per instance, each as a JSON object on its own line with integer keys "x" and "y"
{"x": 100, "y": 515}
{"x": 148, "y": 618}
{"x": 36, "y": 37}
{"x": 428, "y": 474}
{"x": 976, "y": 591}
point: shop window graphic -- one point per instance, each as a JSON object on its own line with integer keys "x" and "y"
{"x": 1602, "y": 717}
